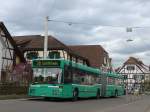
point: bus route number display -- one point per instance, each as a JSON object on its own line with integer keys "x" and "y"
{"x": 46, "y": 63}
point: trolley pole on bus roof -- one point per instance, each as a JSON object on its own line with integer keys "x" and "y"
{"x": 46, "y": 37}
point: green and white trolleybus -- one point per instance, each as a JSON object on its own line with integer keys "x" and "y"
{"x": 59, "y": 78}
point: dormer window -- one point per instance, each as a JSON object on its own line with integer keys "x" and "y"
{"x": 32, "y": 55}
{"x": 130, "y": 67}
{"x": 54, "y": 54}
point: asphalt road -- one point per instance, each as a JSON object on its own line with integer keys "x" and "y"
{"x": 83, "y": 105}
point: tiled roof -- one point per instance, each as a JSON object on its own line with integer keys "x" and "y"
{"x": 137, "y": 62}
{"x": 94, "y": 53}
{"x": 133, "y": 60}
{"x": 36, "y": 42}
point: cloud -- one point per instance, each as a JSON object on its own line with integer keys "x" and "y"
{"x": 104, "y": 22}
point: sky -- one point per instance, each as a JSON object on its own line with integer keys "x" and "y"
{"x": 103, "y": 22}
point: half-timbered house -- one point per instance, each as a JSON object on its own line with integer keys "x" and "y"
{"x": 135, "y": 74}
{"x": 10, "y": 55}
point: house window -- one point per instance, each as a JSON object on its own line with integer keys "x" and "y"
{"x": 135, "y": 77}
{"x": 142, "y": 77}
{"x": 129, "y": 67}
{"x": 110, "y": 80}
{"x": 125, "y": 76}
{"x": 54, "y": 54}
{"x": 104, "y": 60}
{"x": 32, "y": 55}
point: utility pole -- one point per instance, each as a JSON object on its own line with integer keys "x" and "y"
{"x": 46, "y": 37}
{"x": 45, "y": 42}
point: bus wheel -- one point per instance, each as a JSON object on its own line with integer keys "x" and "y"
{"x": 116, "y": 93}
{"x": 75, "y": 95}
{"x": 98, "y": 94}
{"x": 46, "y": 98}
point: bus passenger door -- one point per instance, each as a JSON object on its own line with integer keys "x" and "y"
{"x": 83, "y": 87}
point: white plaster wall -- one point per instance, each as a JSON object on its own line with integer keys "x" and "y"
{"x": 1, "y": 48}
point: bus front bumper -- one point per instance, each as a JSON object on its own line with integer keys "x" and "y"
{"x": 47, "y": 91}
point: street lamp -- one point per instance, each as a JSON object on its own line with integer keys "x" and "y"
{"x": 129, "y": 29}
{"x": 129, "y": 40}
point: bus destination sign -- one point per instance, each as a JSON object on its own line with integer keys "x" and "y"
{"x": 46, "y": 63}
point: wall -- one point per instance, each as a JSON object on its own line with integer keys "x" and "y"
{"x": 1, "y": 47}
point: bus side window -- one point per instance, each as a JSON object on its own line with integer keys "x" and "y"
{"x": 120, "y": 82}
{"x": 75, "y": 78}
{"x": 117, "y": 81}
{"x": 82, "y": 80}
{"x": 98, "y": 80}
{"x": 110, "y": 80}
{"x": 92, "y": 79}
{"x": 85, "y": 75}
{"x": 113, "y": 80}
{"x": 67, "y": 75}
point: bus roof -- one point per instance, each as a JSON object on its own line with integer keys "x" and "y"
{"x": 83, "y": 67}
{"x": 113, "y": 74}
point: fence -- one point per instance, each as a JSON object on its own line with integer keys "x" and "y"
{"x": 16, "y": 81}
{"x": 12, "y": 88}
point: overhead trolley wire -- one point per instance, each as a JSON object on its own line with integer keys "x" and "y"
{"x": 90, "y": 24}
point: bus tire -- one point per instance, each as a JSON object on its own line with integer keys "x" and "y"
{"x": 98, "y": 94}
{"x": 75, "y": 95}
{"x": 124, "y": 92}
{"x": 46, "y": 98}
{"x": 116, "y": 93}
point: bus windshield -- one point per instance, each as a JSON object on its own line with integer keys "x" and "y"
{"x": 47, "y": 75}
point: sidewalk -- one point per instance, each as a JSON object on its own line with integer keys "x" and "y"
{"x": 6, "y": 97}
{"x": 142, "y": 105}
